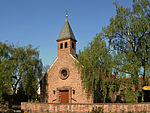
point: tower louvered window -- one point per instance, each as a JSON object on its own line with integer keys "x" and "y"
{"x": 72, "y": 45}
{"x": 61, "y": 45}
{"x": 66, "y": 45}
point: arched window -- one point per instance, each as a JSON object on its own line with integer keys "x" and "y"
{"x": 72, "y": 45}
{"x": 61, "y": 45}
{"x": 66, "y": 45}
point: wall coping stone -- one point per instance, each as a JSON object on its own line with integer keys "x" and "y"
{"x": 81, "y": 107}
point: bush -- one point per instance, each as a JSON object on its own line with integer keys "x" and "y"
{"x": 26, "y": 112}
{"x": 97, "y": 110}
{"x": 10, "y": 111}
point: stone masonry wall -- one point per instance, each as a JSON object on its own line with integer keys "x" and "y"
{"x": 69, "y": 49}
{"x": 83, "y": 108}
{"x": 73, "y": 82}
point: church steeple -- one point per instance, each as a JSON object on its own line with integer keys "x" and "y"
{"x": 66, "y": 31}
{"x": 66, "y": 40}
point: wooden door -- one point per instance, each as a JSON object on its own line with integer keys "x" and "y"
{"x": 64, "y": 96}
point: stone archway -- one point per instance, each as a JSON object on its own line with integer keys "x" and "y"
{"x": 64, "y": 94}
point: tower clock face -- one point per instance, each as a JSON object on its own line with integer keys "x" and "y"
{"x": 64, "y": 73}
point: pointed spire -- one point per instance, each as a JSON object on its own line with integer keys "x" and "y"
{"x": 66, "y": 31}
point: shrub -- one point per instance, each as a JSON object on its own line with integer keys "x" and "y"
{"x": 26, "y": 112}
{"x": 10, "y": 111}
{"x": 97, "y": 110}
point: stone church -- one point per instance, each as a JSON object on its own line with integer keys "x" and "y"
{"x": 62, "y": 82}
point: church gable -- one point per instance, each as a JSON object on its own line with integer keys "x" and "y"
{"x": 64, "y": 75}
{"x": 64, "y": 69}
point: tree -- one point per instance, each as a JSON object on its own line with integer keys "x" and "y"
{"x": 20, "y": 66}
{"x": 96, "y": 67}
{"x": 45, "y": 68}
{"x": 129, "y": 36}
{"x": 5, "y": 81}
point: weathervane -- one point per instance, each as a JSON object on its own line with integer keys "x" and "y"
{"x": 66, "y": 13}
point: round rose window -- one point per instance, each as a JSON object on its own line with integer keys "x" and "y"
{"x": 64, "y": 73}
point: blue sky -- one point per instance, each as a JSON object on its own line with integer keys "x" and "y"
{"x": 39, "y": 22}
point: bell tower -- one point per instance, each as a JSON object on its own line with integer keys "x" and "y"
{"x": 66, "y": 42}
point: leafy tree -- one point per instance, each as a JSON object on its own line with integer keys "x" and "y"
{"x": 20, "y": 66}
{"x": 96, "y": 65}
{"x": 5, "y": 81}
{"x": 129, "y": 36}
{"x": 44, "y": 69}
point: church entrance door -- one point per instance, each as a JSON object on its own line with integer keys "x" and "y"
{"x": 64, "y": 96}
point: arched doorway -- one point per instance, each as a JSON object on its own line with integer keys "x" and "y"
{"x": 64, "y": 94}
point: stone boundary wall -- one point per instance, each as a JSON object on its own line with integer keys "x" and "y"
{"x": 84, "y": 108}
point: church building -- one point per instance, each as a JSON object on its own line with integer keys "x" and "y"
{"x": 62, "y": 82}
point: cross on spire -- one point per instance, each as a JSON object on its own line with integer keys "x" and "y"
{"x": 66, "y": 31}
{"x": 66, "y": 13}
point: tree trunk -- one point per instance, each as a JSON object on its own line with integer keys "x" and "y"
{"x": 144, "y": 77}
{"x": 10, "y": 102}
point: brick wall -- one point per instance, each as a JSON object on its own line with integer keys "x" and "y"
{"x": 84, "y": 108}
